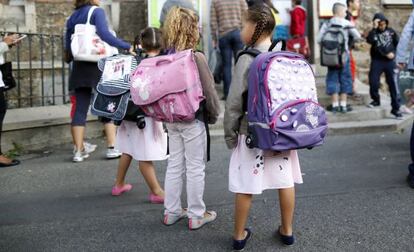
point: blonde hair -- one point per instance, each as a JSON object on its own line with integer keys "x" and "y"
{"x": 181, "y": 29}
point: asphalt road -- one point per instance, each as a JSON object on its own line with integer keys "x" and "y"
{"x": 354, "y": 198}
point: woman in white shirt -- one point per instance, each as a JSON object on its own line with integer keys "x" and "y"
{"x": 5, "y": 45}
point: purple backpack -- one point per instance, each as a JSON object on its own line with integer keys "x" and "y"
{"x": 282, "y": 103}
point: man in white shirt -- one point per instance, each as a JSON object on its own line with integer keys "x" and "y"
{"x": 5, "y": 45}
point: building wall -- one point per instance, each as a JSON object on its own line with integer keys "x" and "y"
{"x": 50, "y": 15}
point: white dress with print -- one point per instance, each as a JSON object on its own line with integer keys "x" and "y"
{"x": 148, "y": 144}
{"x": 252, "y": 170}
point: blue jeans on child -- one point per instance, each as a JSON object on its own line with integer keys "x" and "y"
{"x": 339, "y": 80}
{"x": 230, "y": 44}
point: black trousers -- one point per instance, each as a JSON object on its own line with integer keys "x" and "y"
{"x": 377, "y": 68}
{"x": 3, "y": 109}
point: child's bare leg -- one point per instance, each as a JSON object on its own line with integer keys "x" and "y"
{"x": 148, "y": 172}
{"x": 123, "y": 166}
{"x": 343, "y": 97}
{"x": 334, "y": 99}
{"x": 287, "y": 207}
{"x": 241, "y": 213}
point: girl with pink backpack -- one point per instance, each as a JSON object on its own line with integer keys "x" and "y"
{"x": 143, "y": 142}
{"x": 188, "y": 139}
{"x": 252, "y": 170}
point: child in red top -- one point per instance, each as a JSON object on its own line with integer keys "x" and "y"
{"x": 298, "y": 19}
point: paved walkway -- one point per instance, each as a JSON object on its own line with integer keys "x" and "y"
{"x": 354, "y": 199}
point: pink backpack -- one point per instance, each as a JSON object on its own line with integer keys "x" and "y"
{"x": 168, "y": 88}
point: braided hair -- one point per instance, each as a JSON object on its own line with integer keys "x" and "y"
{"x": 262, "y": 16}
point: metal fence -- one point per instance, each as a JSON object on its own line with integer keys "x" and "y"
{"x": 39, "y": 69}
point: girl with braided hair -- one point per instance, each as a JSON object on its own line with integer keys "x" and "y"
{"x": 251, "y": 171}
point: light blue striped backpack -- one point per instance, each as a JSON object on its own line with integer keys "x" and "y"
{"x": 112, "y": 92}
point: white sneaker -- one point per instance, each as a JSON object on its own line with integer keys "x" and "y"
{"x": 406, "y": 110}
{"x": 170, "y": 219}
{"x": 195, "y": 223}
{"x": 112, "y": 153}
{"x": 88, "y": 148}
{"x": 79, "y": 156}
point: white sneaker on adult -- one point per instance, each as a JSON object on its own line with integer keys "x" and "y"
{"x": 112, "y": 153}
{"x": 80, "y": 156}
{"x": 88, "y": 147}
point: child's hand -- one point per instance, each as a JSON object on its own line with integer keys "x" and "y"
{"x": 10, "y": 39}
{"x": 391, "y": 55}
{"x": 401, "y": 66}
{"x": 132, "y": 52}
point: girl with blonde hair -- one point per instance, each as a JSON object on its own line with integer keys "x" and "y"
{"x": 188, "y": 140}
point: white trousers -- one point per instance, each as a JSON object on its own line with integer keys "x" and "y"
{"x": 188, "y": 144}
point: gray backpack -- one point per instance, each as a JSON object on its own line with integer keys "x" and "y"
{"x": 333, "y": 46}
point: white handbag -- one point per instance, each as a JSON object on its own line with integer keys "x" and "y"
{"x": 86, "y": 45}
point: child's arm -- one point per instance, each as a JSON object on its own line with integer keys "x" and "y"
{"x": 207, "y": 82}
{"x": 234, "y": 104}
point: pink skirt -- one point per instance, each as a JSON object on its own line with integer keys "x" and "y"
{"x": 252, "y": 171}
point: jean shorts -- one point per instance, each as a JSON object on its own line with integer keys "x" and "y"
{"x": 339, "y": 81}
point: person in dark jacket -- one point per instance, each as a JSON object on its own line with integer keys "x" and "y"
{"x": 384, "y": 41}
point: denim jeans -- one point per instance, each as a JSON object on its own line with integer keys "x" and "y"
{"x": 339, "y": 81}
{"x": 230, "y": 44}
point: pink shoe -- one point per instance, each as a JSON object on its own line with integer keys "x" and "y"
{"x": 116, "y": 191}
{"x": 155, "y": 199}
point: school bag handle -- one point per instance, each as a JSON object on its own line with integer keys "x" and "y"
{"x": 277, "y": 41}
{"x": 164, "y": 61}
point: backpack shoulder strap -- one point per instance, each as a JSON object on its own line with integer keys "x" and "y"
{"x": 277, "y": 41}
{"x": 249, "y": 51}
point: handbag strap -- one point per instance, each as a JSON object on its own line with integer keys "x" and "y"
{"x": 91, "y": 10}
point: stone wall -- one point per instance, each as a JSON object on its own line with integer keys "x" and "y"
{"x": 51, "y": 16}
{"x": 133, "y": 18}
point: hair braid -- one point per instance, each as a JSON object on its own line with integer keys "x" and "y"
{"x": 260, "y": 27}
